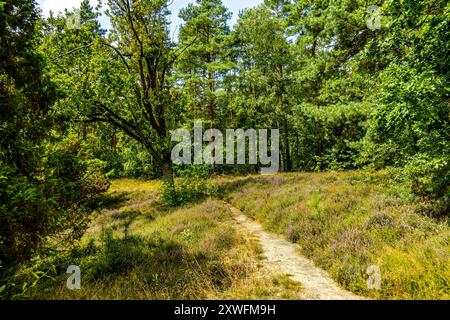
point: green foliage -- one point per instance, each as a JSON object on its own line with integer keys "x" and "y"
{"x": 78, "y": 105}
{"x": 123, "y": 156}
{"x": 119, "y": 80}
{"x": 343, "y": 95}
{"x": 19, "y": 286}
{"x": 186, "y": 191}
{"x": 53, "y": 204}
{"x": 430, "y": 177}
{"x": 194, "y": 172}
{"x": 329, "y": 138}
{"x": 410, "y": 128}
{"x": 46, "y": 178}
{"x": 169, "y": 195}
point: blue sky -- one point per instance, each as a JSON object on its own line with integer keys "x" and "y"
{"x": 233, "y": 5}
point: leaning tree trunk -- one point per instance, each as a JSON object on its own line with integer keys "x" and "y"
{"x": 167, "y": 168}
{"x": 168, "y": 173}
{"x": 164, "y": 162}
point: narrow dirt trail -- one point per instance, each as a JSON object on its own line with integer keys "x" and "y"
{"x": 283, "y": 257}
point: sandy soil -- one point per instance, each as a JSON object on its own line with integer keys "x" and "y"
{"x": 283, "y": 257}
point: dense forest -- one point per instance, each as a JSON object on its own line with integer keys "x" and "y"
{"x": 350, "y": 84}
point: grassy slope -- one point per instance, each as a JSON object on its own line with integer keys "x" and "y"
{"x": 138, "y": 249}
{"x": 348, "y": 221}
{"x": 344, "y": 221}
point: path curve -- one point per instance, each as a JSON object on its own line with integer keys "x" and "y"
{"x": 282, "y": 256}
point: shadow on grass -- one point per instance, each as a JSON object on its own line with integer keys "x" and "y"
{"x": 120, "y": 256}
{"x": 152, "y": 264}
{"x": 109, "y": 201}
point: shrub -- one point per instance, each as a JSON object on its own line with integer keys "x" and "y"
{"x": 48, "y": 206}
{"x": 186, "y": 191}
{"x": 328, "y": 136}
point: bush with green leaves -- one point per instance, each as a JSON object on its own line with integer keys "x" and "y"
{"x": 186, "y": 191}
{"x": 47, "y": 178}
{"x": 52, "y": 203}
{"x": 410, "y": 126}
{"x": 329, "y": 136}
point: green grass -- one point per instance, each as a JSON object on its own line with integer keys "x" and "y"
{"x": 138, "y": 248}
{"x": 347, "y": 221}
